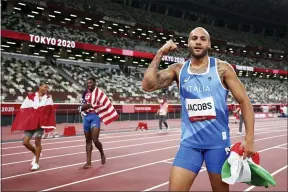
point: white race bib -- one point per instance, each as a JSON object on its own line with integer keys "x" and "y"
{"x": 201, "y": 109}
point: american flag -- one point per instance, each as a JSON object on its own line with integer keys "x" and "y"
{"x": 82, "y": 101}
{"x": 103, "y": 107}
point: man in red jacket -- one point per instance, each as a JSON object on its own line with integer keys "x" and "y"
{"x": 35, "y": 116}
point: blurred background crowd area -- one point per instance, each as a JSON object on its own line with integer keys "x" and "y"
{"x": 146, "y": 28}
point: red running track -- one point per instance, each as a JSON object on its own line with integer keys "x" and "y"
{"x": 137, "y": 161}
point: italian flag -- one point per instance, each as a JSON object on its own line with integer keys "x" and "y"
{"x": 249, "y": 171}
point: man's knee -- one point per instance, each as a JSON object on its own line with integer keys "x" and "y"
{"x": 88, "y": 141}
{"x": 38, "y": 141}
{"x": 96, "y": 140}
{"x": 216, "y": 182}
{"x": 26, "y": 141}
{"x": 181, "y": 179}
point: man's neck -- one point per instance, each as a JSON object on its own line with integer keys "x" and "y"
{"x": 92, "y": 89}
{"x": 199, "y": 61}
{"x": 40, "y": 94}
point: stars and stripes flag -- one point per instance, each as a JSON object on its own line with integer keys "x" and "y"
{"x": 103, "y": 106}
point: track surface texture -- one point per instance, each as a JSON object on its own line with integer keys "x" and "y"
{"x": 136, "y": 161}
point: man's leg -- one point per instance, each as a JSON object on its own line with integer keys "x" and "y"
{"x": 35, "y": 162}
{"x": 89, "y": 148}
{"x": 160, "y": 122}
{"x": 186, "y": 166}
{"x": 95, "y": 137}
{"x": 88, "y": 141}
{"x": 214, "y": 160}
{"x": 181, "y": 179}
{"x": 165, "y": 121}
{"x": 26, "y": 141}
{"x": 38, "y": 135}
{"x": 241, "y": 123}
{"x": 216, "y": 182}
{"x": 98, "y": 144}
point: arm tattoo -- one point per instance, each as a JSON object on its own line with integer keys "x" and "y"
{"x": 154, "y": 79}
{"x": 163, "y": 80}
{"x": 150, "y": 75}
{"x": 222, "y": 67}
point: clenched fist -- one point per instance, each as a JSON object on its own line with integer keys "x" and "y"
{"x": 168, "y": 46}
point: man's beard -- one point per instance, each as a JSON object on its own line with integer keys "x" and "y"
{"x": 91, "y": 88}
{"x": 198, "y": 56}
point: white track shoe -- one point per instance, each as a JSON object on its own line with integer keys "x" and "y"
{"x": 35, "y": 166}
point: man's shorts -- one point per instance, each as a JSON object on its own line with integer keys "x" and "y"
{"x": 192, "y": 159}
{"x": 91, "y": 120}
{"x": 38, "y": 133}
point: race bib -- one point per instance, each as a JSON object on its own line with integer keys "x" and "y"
{"x": 201, "y": 109}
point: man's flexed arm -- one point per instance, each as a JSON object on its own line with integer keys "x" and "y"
{"x": 154, "y": 79}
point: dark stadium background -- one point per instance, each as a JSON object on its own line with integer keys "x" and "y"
{"x": 65, "y": 42}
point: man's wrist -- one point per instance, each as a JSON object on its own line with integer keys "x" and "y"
{"x": 160, "y": 53}
{"x": 249, "y": 138}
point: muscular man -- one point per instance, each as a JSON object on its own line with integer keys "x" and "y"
{"x": 203, "y": 84}
{"x": 91, "y": 124}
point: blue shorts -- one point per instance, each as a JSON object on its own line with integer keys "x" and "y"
{"x": 192, "y": 159}
{"x": 91, "y": 120}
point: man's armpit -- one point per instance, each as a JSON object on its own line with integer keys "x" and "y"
{"x": 222, "y": 68}
{"x": 176, "y": 68}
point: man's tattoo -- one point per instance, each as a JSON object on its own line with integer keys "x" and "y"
{"x": 200, "y": 70}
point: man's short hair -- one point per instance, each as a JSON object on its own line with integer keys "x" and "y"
{"x": 92, "y": 79}
{"x": 43, "y": 83}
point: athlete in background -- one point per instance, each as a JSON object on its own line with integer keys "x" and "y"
{"x": 239, "y": 113}
{"x": 162, "y": 112}
{"x": 91, "y": 124}
{"x": 203, "y": 84}
{"x": 36, "y": 116}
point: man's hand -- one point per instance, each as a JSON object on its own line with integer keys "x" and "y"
{"x": 248, "y": 147}
{"x": 168, "y": 46}
{"x": 84, "y": 107}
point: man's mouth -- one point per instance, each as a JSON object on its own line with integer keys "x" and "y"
{"x": 197, "y": 48}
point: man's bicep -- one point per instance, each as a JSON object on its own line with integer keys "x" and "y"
{"x": 164, "y": 79}
{"x": 234, "y": 84}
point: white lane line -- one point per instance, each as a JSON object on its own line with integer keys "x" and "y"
{"x": 44, "y": 170}
{"x": 70, "y": 141}
{"x": 103, "y": 135}
{"x": 81, "y": 163}
{"x": 73, "y": 146}
{"x": 125, "y": 140}
{"x": 107, "y": 149}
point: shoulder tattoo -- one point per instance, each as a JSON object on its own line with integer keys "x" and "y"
{"x": 222, "y": 67}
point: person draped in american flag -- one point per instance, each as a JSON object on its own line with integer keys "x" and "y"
{"x": 95, "y": 107}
